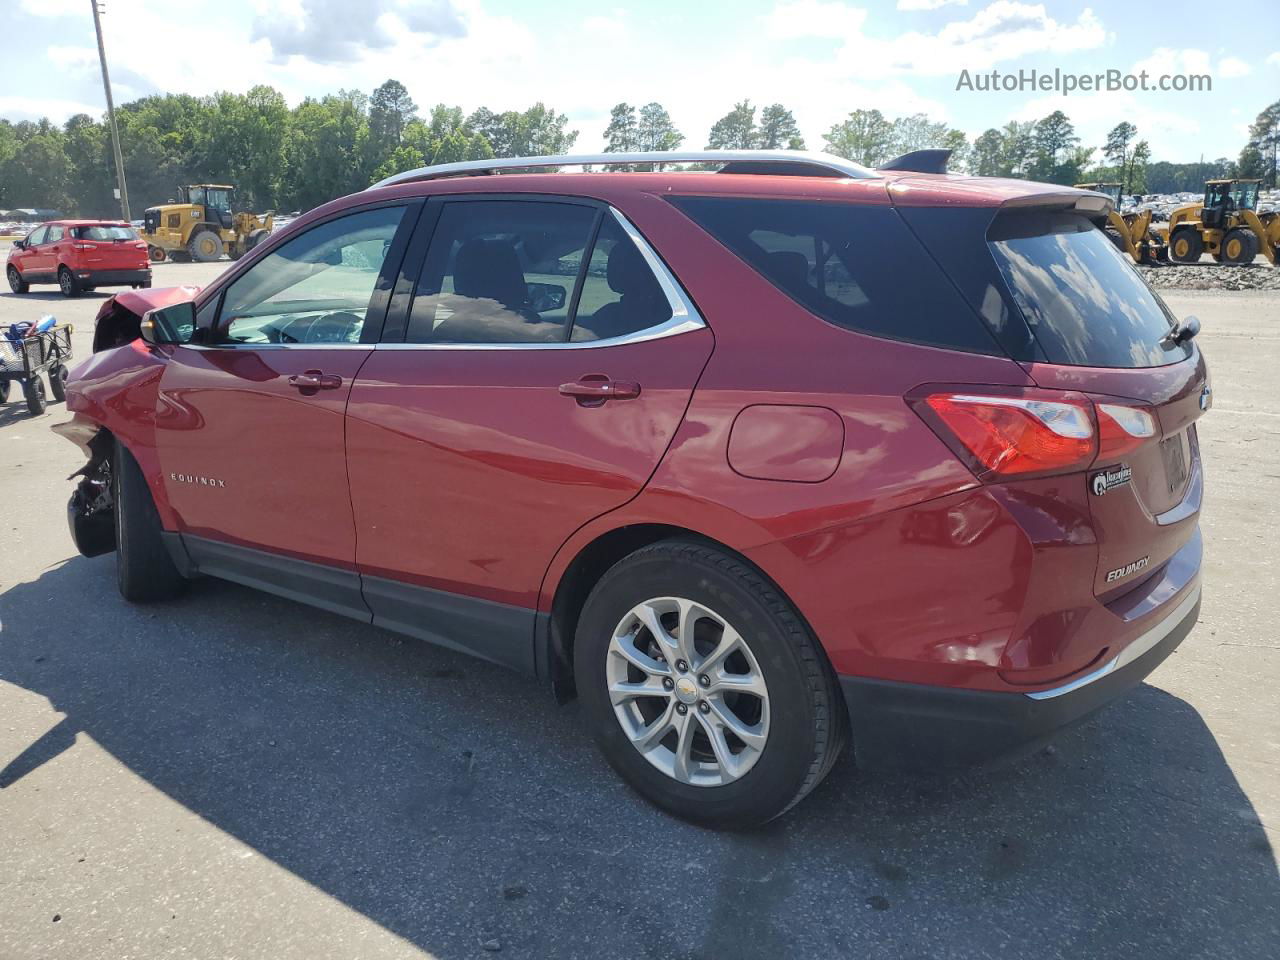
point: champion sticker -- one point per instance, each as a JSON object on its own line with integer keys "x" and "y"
{"x": 1105, "y": 480}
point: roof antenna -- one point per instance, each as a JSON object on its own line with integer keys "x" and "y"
{"x": 920, "y": 161}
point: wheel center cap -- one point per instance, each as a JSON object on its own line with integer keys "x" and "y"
{"x": 686, "y": 690}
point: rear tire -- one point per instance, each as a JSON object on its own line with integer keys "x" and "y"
{"x": 33, "y": 390}
{"x": 793, "y": 712}
{"x": 205, "y": 247}
{"x": 144, "y": 570}
{"x": 58, "y": 382}
{"x": 1185, "y": 246}
{"x": 68, "y": 283}
{"x": 156, "y": 254}
{"x": 16, "y": 283}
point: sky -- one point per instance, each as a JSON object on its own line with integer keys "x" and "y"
{"x": 820, "y": 58}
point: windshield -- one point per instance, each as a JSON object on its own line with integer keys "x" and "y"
{"x": 105, "y": 233}
{"x": 1085, "y": 303}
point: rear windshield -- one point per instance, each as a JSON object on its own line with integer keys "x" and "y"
{"x": 1083, "y": 299}
{"x": 104, "y": 233}
{"x": 853, "y": 265}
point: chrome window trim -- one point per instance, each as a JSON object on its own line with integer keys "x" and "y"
{"x": 1132, "y": 652}
{"x": 684, "y": 315}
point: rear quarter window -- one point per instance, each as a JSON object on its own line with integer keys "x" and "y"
{"x": 856, "y": 266}
{"x": 1085, "y": 303}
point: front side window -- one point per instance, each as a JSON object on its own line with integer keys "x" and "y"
{"x": 316, "y": 288}
{"x": 36, "y": 237}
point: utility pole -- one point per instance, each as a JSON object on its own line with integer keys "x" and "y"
{"x": 111, "y": 114}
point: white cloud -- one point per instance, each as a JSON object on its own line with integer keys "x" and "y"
{"x": 1274, "y": 59}
{"x": 54, "y": 8}
{"x": 1164, "y": 60}
{"x": 1233, "y": 67}
{"x": 323, "y": 31}
{"x": 1002, "y": 31}
{"x": 928, "y": 4}
{"x": 33, "y": 108}
{"x": 1094, "y": 114}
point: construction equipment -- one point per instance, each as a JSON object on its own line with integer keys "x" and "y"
{"x": 1132, "y": 232}
{"x": 201, "y": 226}
{"x": 1227, "y": 225}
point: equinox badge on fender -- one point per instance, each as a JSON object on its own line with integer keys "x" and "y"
{"x": 1104, "y": 480}
{"x": 201, "y": 481}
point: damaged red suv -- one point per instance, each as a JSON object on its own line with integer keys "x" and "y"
{"x": 758, "y": 463}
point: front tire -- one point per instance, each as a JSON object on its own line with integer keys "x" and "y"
{"x": 68, "y": 283}
{"x": 144, "y": 570}
{"x": 205, "y": 247}
{"x": 16, "y": 283}
{"x": 33, "y": 391}
{"x": 703, "y": 688}
{"x": 1186, "y": 246}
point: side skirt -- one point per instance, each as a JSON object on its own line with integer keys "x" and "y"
{"x": 497, "y": 632}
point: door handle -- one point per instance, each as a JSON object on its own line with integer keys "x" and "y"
{"x": 593, "y": 391}
{"x": 310, "y": 381}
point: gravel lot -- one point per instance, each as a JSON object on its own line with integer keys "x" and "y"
{"x": 233, "y": 775}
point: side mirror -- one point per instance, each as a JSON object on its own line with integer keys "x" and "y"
{"x": 544, "y": 296}
{"x": 19, "y": 244}
{"x": 175, "y": 324}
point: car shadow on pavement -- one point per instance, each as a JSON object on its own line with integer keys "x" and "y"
{"x": 454, "y": 803}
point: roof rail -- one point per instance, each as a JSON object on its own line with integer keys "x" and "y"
{"x": 786, "y": 162}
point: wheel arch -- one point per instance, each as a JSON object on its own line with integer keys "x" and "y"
{"x": 568, "y": 593}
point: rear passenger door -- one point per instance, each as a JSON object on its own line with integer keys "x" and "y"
{"x": 543, "y": 359}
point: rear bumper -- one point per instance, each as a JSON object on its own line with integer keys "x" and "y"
{"x": 908, "y": 725}
{"x": 110, "y": 278}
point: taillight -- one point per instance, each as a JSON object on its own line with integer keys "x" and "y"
{"x": 1006, "y": 436}
{"x": 1122, "y": 429}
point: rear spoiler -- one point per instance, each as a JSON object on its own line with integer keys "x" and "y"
{"x": 920, "y": 161}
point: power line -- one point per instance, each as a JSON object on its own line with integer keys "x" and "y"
{"x": 99, "y": 7}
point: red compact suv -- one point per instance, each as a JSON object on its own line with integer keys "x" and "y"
{"x": 79, "y": 255}
{"x": 757, "y": 462}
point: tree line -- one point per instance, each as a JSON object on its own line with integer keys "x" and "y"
{"x": 286, "y": 158}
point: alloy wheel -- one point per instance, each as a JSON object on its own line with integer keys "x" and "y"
{"x": 688, "y": 692}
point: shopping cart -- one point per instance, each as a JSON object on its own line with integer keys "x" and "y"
{"x": 28, "y": 351}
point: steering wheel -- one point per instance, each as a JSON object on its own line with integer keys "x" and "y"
{"x": 333, "y": 328}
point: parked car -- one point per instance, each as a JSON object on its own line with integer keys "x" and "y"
{"x": 79, "y": 255}
{"x": 756, "y": 464}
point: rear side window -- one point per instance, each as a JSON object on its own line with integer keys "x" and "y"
{"x": 501, "y": 271}
{"x": 104, "y": 233}
{"x": 856, "y": 266}
{"x": 1084, "y": 301}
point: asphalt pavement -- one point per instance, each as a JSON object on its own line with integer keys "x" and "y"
{"x": 235, "y": 775}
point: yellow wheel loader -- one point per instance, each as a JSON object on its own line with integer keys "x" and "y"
{"x": 1227, "y": 225}
{"x": 1132, "y": 233}
{"x": 201, "y": 226}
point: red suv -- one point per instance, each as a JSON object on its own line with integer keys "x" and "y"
{"x": 79, "y": 255}
{"x": 757, "y": 462}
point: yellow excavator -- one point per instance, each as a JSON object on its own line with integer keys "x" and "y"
{"x": 201, "y": 226}
{"x": 1226, "y": 225}
{"x": 1132, "y": 232}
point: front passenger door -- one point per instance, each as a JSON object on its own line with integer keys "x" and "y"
{"x": 250, "y": 418}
